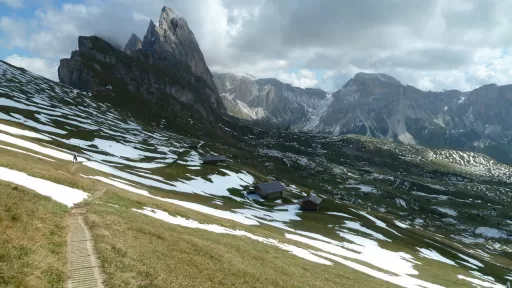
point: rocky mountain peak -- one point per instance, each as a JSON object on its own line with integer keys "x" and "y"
{"x": 170, "y": 67}
{"x": 168, "y": 19}
{"x": 173, "y": 42}
{"x": 84, "y": 43}
{"x": 133, "y": 44}
{"x": 372, "y": 79}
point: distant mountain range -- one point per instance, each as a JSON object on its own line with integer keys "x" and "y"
{"x": 380, "y": 106}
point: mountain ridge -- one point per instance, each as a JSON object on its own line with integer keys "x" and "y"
{"x": 266, "y": 99}
{"x": 380, "y": 106}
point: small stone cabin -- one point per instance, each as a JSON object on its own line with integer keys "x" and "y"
{"x": 214, "y": 159}
{"x": 270, "y": 190}
{"x": 310, "y": 203}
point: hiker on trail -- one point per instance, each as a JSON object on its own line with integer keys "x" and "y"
{"x": 75, "y": 158}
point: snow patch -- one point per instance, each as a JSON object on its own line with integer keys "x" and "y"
{"x": 339, "y": 214}
{"x": 357, "y": 226}
{"x": 21, "y": 132}
{"x": 60, "y": 193}
{"x": 480, "y": 282}
{"x": 201, "y": 208}
{"x": 24, "y": 152}
{"x": 446, "y": 210}
{"x": 432, "y": 254}
{"x": 363, "y": 188}
{"x": 491, "y": 232}
{"x": 401, "y": 224}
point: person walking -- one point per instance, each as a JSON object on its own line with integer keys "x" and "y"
{"x": 75, "y": 157}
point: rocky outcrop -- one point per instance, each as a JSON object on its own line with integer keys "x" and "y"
{"x": 161, "y": 73}
{"x": 71, "y": 72}
{"x": 266, "y": 99}
{"x": 133, "y": 45}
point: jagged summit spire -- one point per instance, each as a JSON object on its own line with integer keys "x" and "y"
{"x": 170, "y": 21}
{"x": 173, "y": 42}
{"x": 168, "y": 13}
{"x": 133, "y": 44}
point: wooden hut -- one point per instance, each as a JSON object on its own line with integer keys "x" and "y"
{"x": 270, "y": 190}
{"x": 214, "y": 159}
{"x": 310, "y": 203}
{"x": 193, "y": 146}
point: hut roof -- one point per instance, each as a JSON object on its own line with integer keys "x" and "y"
{"x": 313, "y": 198}
{"x": 271, "y": 187}
{"x": 214, "y": 158}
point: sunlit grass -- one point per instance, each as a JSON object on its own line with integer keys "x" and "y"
{"x": 33, "y": 235}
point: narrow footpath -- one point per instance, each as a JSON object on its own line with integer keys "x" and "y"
{"x": 83, "y": 267}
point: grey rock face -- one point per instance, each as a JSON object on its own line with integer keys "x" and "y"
{"x": 73, "y": 73}
{"x": 133, "y": 45}
{"x": 266, "y": 99}
{"x": 172, "y": 43}
{"x": 172, "y": 40}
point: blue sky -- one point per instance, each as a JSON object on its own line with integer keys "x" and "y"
{"x": 433, "y": 45}
{"x": 26, "y": 12}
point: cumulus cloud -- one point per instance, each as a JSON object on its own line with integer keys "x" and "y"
{"x": 36, "y": 65}
{"x": 304, "y": 78}
{"x": 13, "y": 3}
{"x": 429, "y": 44}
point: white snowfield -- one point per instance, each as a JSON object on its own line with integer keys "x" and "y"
{"x": 60, "y": 193}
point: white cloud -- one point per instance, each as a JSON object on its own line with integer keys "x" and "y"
{"x": 13, "y": 3}
{"x": 432, "y": 46}
{"x": 261, "y": 69}
{"x": 303, "y": 79}
{"x": 329, "y": 74}
{"x": 36, "y": 65}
